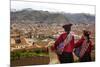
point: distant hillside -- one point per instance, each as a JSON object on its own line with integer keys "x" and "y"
{"x": 33, "y": 16}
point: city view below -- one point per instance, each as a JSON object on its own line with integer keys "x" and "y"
{"x": 34, "y": 32}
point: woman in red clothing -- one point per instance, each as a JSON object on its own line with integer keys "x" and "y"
{"x": 67, "y": 40}
{"x": 86, "y": 47}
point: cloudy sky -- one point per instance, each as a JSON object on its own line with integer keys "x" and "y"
{"x": 53, "y": 7}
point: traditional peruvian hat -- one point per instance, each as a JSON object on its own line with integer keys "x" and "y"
{"x": 86, "y": 32}
{"x": 67, "y": 26}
